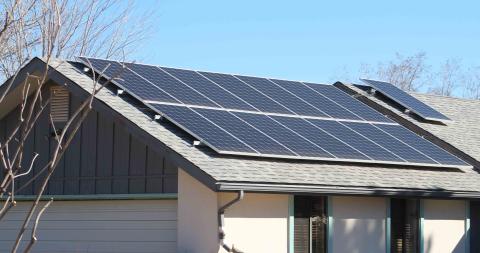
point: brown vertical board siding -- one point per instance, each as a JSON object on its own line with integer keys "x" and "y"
{"x": 29, "y": 148}
{"x": 89, "y": 154}
{"x": 170, "y": 177}
{"x": 103, "y": 158}
{"x": 2, "y": 130}
{"x": 55, "y": 185}
{"x": 138, "y": 156}
{"x": 42, "y": 147}
{"x": 11, "y": 123}
{"x": 72, "y": 157}
{"x": 154, "y": 171}
{"x": 105, "y": 132}
{"x": 121, "y": 155}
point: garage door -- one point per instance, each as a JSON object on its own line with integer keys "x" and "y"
{"x": 99, "y": 226}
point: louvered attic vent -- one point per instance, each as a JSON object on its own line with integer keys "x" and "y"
{"x": 59, "y": 105}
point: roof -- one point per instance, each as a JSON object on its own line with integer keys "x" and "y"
{"x": 463, "y": 132}
{"x": 277, "y": 175}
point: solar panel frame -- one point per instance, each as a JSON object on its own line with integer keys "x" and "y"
{"x": 391, "y": 143}
{"x": 216, "y": 93}
{"x": 369, "y": 147}
{"x": 288, "y": 137}
{"x": 114, "y": 69}
{"x": 406, "y": 100}
{"x": 249, "y": 134}
{"x": 287, "y": 99}
{"x": 316, "y": 99}
{"x": 317, "y": 135}
{"x": 343, "y": 99}
{"x": 164, "y": 80}
{"x": 163, "y": 109}
{"x": 425, "y": 147}
{"x": 246, "y": 93}
{"x": 256, "y": 154}
{"x": 313, "y": 158}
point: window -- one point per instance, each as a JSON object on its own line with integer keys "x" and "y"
{"x": 404, "y": 225}
{"x": 310, "y": 224}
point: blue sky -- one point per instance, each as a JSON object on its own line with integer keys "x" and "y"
{"x": 317, "y": 41}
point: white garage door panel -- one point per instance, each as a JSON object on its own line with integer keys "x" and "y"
{"x": 101, "y": 247}
{"x": 99, "y": 226}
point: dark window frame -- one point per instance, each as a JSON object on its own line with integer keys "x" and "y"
{"x": 404, "y": 225}
{"x": 310, "y": 224}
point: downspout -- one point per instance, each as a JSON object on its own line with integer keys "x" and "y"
{"x": 221, "y": 222}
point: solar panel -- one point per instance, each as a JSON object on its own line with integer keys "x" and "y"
{"x": 406, "y": 100}
{"x": 203, "y": 129}
{"x": 344, "y": 100}
{"x": 421, "y": 144}
{"x": 252, "y": 116}
{"x": 295, "y": 142}
{"x": 394, "y": 145}
{"x": 317, "y": 100}
{"x": 256, "y": 139}
{"x": 357, "y": 141}
{"x": 331, "y": 144}
{"x": 130, "y": 81}
{"x": 246, "y": 93}
{"x": 215, "y": 92}
{"x": 285, "y": 98}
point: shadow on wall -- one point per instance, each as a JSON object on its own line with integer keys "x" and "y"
{"x": 459, "y": 248}
{"x": 364, "y": 236}
{"x": 444, "y": 226}
{"x": 359, "y": 224}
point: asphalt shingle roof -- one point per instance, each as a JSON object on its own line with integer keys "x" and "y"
{"x": 463, "y": 133}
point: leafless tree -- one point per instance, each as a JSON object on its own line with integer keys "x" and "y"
{"x": 404, "y": 72}
{"x": 50, "y": 29}
{"x": 97, "y": 28}
{"x": 471, "y": 84}
{"x": 448, "y": 79}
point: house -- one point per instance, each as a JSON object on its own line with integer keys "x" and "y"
{"x": 136, "y": 182}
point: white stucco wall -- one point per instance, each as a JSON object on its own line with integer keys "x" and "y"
{"x": 444, "y": 226}
{"x": 359, "y": 224}
{"x": 197, "y": 216}
{"x": 257, "y": 224}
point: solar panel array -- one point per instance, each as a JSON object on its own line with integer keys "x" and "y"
{"x": 406, "y": 100}
{"x": 253, "y": 116}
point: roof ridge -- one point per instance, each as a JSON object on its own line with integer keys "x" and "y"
{"x": 415, "y": 93}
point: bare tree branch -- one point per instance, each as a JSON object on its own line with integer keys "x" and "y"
{"x": 53, "y": 28}
{"x": 404, "y": 72}
{"x": 33, "y": 238}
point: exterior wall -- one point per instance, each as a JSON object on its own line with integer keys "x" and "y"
{"x": 359, "y": 224}
{"x": 197, "y": 216}
{"x": 97, "y": 226}
{"x": 257, "y": 224}
{"x": 444, "y": 226}
{"x": 104, "y": 158}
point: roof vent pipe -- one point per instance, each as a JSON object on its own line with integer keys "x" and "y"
{"x": 221, "y": 222}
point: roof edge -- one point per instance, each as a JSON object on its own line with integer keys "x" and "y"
{"x": 348, "y": 191}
